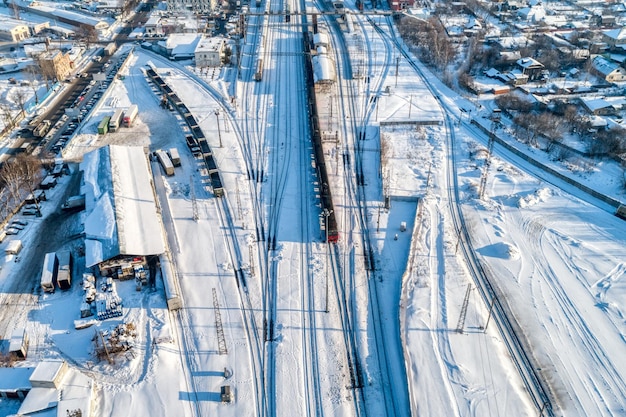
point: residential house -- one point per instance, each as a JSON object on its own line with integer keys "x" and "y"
{"x": 607, "y": 70}
{"x": 530, "y": 68}
{"x": 614, "y": 37}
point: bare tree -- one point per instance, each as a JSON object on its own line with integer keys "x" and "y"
{"x": 21, "y": 175}
{"x": 513, "y": 102}
{"x": 7, "y": 116}
{"x": 87, "y": 34}
{"x": 21, "y": 98}
{"x": 16, "y": 10}
{"x": 33, "y": 72}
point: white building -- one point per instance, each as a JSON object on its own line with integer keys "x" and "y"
{"x": 57, "y": 388}
{"x": 210, "y": 52}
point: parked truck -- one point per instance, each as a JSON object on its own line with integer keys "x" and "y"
{"x": 165, "y": 162}
{"x": 174, "y": 156}
{"x": 41, "y": 129}
{"x": 130, "y": 115}
{"x": 49, "y": 272}
{"x": 116, "y": 119}
{"x": 103, "y": 127}
{"x": 75, "y": 202}
{"x": 64, "y": 273}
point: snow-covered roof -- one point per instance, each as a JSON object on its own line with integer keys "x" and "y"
{"x": 8, "y": 24}
{"x": 604, "y": 66}
{"x": 39, "y": 399}
{"x": 529, "y": 62}
{"x": 122, "y": 216}
{"x": 214, "y": 44}
{"x": 76, "y": 390}
{"x": 48, "y": 371}
{"x": 73, "y": 16}
{"x": 182, "y": 44}
{"x": 13, "y": 379}
{"x": 617, "y": 34}
{"x": 597, "y": 103}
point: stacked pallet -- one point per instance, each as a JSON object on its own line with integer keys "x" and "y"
{"x": 108, "y": 302}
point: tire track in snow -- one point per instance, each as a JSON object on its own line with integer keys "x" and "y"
{"x": 611, "y": 379}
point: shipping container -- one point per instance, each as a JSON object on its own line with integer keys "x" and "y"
{"x": 103, "y": 127}
{"x": 49, "y": 272}
{"x": 64, "y": 274}
{"x": 18, "y": 344}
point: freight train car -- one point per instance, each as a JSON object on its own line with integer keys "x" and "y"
{"x": 330, "y": 220}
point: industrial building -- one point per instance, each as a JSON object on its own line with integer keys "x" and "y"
{"x": 210, "y": 52}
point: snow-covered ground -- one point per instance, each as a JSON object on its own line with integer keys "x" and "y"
{"x": 556, "y": 261}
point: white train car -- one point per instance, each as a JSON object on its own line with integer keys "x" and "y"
{"x": 170, "y": 282}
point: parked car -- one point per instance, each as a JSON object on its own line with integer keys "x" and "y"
{"x": 16, "y": 226}
{"x": 12, "y": 231}
{"x": 29, "y": 212}
{"x": 20, "y": 222}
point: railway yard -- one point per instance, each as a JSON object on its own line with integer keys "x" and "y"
{"x": 335, "y": 242}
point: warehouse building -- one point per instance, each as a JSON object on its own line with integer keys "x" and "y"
{"x": 122, "y": 225}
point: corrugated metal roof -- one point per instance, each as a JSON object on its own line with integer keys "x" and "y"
{"x": 122, "y": 217}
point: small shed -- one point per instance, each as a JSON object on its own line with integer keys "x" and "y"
{"x": 18, "y": 344}
{"x": 48, "y": 374}
{"x": 13, "y": 247}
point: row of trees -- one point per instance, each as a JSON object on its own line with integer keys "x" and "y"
{"x": 19, "y": 177}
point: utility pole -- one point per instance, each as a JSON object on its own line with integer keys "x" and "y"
{"x": 410, "y": 105}
{"x": 219, "y": 133}
{"x": 397, "y": 65}
{"x": 483, "y": 179}
{"x": 221, "y": 340}
{"x": 194, "y": 202}
{"x": 461, "y": 324}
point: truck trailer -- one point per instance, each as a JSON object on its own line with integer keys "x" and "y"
{"x": 116, "y": 120}
{"x": 165, "y": 162}
{"x": 41, "y": 129}
{"x": 64, "y": 274}
{"x": 103, "y": 127}
{"x": 49, "y": 272}
{"x": 130, "y": 115}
